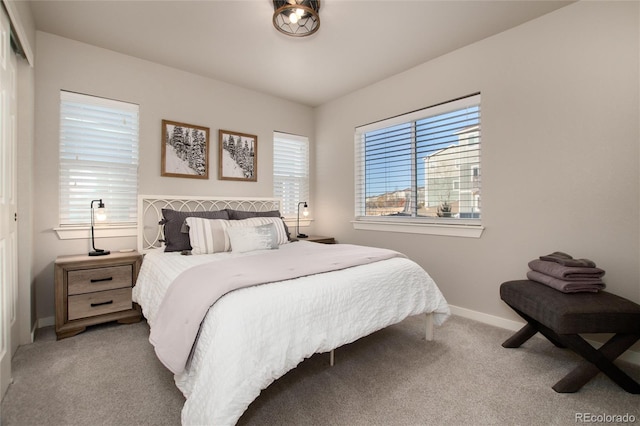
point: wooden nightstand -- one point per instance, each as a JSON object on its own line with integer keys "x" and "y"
{"x": 319, "y": 239}
{"x": 92, "y": 290}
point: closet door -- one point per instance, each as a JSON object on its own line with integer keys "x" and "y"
{"x": 8, "y": 204}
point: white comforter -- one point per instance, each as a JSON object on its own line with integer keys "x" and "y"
{"x": 253, "y": 336}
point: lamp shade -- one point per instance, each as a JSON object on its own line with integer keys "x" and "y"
{"x": 101, "y": 214}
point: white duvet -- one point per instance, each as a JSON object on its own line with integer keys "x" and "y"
{"x": 253, "y": 336}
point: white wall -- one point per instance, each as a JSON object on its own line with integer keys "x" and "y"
{"x": 560, "y": 154}
{"x": 162, "y": 93}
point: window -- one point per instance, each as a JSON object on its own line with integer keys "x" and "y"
{"x": 422, "y": 167}
{"x": 98, "y": 159}
{"x": 290, "y": 171}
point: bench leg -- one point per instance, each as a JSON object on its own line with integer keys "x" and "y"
{"x": 550, "y": 335}
{"x": 525, "y": 333}
{"x": 586, "y": 371}
{"x": 535, "y": 325}
{"x": 598, "y": 360}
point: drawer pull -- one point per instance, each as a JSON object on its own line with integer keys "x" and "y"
{"x": 102, "y": 279}
{"x": 93, "y": 305}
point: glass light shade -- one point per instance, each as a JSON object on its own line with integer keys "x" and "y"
{"x": 296, "y": 18}
{"x": 101, "y": 214}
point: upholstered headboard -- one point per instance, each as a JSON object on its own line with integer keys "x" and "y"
{"x": 150, "y": 232}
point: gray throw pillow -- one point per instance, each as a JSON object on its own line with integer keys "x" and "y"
{"x": 173, "y": 220}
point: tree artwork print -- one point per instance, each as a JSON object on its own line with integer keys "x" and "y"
{"x": 237, "y": 156}
{"x": 185, "y": 149}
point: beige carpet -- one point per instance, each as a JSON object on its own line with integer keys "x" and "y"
{"x": 109, "y": 376}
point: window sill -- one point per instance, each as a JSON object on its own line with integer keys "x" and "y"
{"x": 451, "y": 230}
{"x": 84, "y": 232}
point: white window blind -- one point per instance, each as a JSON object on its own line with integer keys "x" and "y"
{"x": 422, "y": 166}
{"x": 290, "y": 171}
{"x": 98, "y": 158}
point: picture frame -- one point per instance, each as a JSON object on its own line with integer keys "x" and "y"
{"x": 185, "y": 150}
{"x": 237, "y": 156}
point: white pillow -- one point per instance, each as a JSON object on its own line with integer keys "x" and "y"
{"x": 208, "y": 235}
{"x": 250, "y": 238}
{"x": 281, "y": 234}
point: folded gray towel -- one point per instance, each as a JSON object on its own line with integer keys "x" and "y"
{"x": 567, "y": 260}
{"x": 567, "y": 273}
{"x": 590, "y": 286}
{"x": 556, "y": 255}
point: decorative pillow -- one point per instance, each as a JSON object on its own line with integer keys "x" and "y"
{"x": 241, "y": 214}
{"x": 208, "y": 236}
{"x": 250, "y": 238}
{"x": 281, "y": 233}
{"x": 175, "y": 239}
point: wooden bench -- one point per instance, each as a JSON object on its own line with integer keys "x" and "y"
{"x": 562, "y": 317}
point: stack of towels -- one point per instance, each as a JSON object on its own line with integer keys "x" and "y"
{"x": 562, "y": 272}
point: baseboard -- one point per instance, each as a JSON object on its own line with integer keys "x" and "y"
{"x": 33, "y": 332}
{"x": 46, "y": 322}
{"x": 632, "y": 357}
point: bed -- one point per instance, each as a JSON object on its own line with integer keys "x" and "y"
{"x": 254, "y": 335}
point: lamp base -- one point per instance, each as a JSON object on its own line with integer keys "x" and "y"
{"x": 303, "y": 236}
{"x": 99, "y": 252}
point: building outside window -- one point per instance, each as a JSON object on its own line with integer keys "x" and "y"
{"x": 455, "y": 184}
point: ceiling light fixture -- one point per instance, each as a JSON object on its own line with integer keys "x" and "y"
{"x": 296, "y": 18}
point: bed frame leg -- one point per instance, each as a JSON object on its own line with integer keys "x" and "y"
{"x": 332, "y": 357}
{"x": 428, "y": 332}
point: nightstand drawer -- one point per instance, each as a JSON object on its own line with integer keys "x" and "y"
{"x": 98, "y": 303}
{"x": 99, "y": 279}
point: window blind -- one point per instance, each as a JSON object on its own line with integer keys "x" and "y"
{"x": 290, "y": 171}
{"x": 421, "y": 165}
{"x": 98, "y": 158}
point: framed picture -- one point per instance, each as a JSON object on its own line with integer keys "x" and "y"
{"x": 238, "y": 156}
{"x": 185, "y": 150}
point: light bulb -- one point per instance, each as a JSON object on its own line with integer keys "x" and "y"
{"x": 305, "y": 212}
{"x": 299, "y": 12}
{"x": 101, "y": 214}
{"x": 293, "y": 18}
